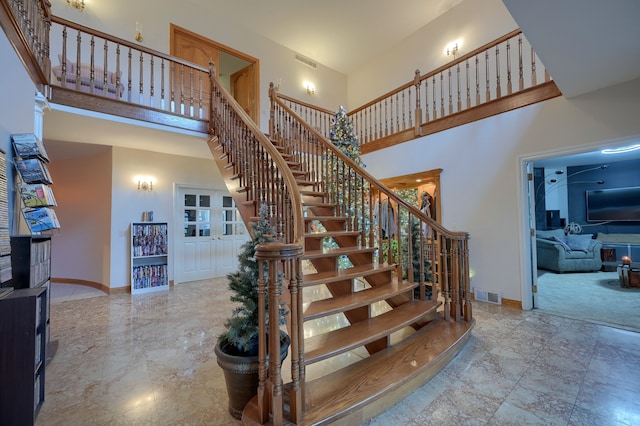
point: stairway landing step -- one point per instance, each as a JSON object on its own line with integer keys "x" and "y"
{"x": 363, "y": 390}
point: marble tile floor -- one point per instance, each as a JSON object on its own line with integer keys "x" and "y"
{"x": 64, "y": 291}
{"x": 148, "y": 360}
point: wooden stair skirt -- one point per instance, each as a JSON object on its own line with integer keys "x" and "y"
{"x": 360, "y": 391}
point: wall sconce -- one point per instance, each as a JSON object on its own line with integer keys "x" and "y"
{"x": 310, "y": 88}
{"x": 278, "y": 84}
{"x": 138, "y": 35}
{"x": 78, "y": 4}
{"x": 452, "y": 50}
{"x": 145, "y": 186}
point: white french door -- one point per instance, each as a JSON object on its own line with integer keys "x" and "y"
{"x": 210, "y": 233}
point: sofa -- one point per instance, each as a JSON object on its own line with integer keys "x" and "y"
{"x": 81, "y": 77}
{"x": 558, "y": 252}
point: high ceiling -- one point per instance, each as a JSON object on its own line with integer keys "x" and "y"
{"x": 336, "y": 33}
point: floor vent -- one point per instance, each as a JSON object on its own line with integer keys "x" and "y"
{"x": 483, "y": 295}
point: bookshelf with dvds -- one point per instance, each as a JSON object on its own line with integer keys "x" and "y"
{"x": 23, "y": 355}
{"x": 5, "y": 239}
{"x": 149, "y": 257}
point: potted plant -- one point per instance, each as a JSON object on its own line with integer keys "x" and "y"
{"x": 237, "y": 347}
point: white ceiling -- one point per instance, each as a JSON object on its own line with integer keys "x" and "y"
{"x": 336, "y": 33}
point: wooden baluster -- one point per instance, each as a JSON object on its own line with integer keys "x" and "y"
{"x": 105, "y": 62}
{"x": 191, "y": 104}
{"x": 487, "y": 84}
{"x": 141, "y": 82}
{"x": 520, "y": 64}
{"x": 441, "y": 94}
{"x": 450, "y": 93}
{"x": 182, "y": 111}
{"x": 78, "y": 59}
{"x": 263, "y": 399}
{"x": 375, "y": 123}
{"x": 92, "y": 67}
{"x": 151, "y": 83}
{"x": 468, "y": 308}
{"x": 386, "y": 117}
{"x": 162, "y": 77}
{"x": 498, "y": 88}
{"x": 509, "y": 86}
{"x": 404, "y": 107}
{"x": 455, "y": 290}
{"x": 433, "y": 89}
{"x": 381, "y": 134}
{"x": 477, "y": 81}
{"x": 64, "y": 57}
{"x": 444, "y": 278}
{"x": 458, "y": 86}
{"x": 129, "y": 76}
{"x": 118, "y": 73}
{"x": 391, "y": 131}
{"x": 426, "y": 100}
{"x": 200, "y": 97}
{"x": 468, "y": 84}
{"x": 534, "y": 80}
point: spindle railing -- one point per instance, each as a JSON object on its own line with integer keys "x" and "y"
{"x": 423, "y": 250}
{"x": 497, "y": 71}
{"x": 100, "y": 64}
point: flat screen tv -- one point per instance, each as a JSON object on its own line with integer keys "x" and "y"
{"x": 613, "y": 205}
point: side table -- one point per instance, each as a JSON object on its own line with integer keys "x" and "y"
{"x": 629, "y": 278}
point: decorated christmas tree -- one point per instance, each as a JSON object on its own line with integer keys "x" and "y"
{"x": 241, "y": 335}
{"x": 343, "y": 136}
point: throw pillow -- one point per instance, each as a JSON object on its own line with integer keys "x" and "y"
{"x": 549, "y": 235}
{"x": 562, "y": 242}
{"x": 579, "y": 242}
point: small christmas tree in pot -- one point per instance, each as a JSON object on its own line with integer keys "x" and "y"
{"x": 237, "y": 347}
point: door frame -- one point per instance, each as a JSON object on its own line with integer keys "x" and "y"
{"x": 255, "y": 63}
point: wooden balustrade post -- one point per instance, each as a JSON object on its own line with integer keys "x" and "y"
{"x": 418, "y": 112}
{"x": 277, "y": 256}
{"x": 262, "y": 400}
{"x": 468, "y": 314}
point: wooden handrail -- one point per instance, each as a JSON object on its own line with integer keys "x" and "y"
{"x": 123, "y": 42}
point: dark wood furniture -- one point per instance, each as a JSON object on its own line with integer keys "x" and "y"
{"x": 23, "y": 314}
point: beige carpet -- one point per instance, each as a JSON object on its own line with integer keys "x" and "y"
{"x": 594, "y": 296}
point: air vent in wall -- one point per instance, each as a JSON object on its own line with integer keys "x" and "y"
{"x": 483, "y": 295}
{"x": 308, "y": 62}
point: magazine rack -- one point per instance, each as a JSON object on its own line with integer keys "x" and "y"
{"x": 149, "y": 257}
{"x": 33, "y": 183}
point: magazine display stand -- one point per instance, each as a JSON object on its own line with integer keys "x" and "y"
{"x": 34, "y": 178}
{"x": 149, "y": 257}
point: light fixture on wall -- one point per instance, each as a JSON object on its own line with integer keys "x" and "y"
{"x": 453, "y": 48}
{"x": 310, "y": 88}
{"x": 622, "y": 149}
{"x": 145, "y": 186}
{"x": 78, "y": 4}
{"x": 138, "y": 35}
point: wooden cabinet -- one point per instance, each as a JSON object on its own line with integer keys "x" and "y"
{"x": 31, "y": 268}
{"x": 149, "y": 257}
{"x": 23, "y": 314}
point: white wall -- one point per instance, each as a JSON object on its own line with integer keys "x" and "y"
{"x": 482, "y": 183}
{"x": 119, "y": 17}
{"x": 17, "y": 113}
{"x": 475, "y": 22}
{"x": 127, "y": 203}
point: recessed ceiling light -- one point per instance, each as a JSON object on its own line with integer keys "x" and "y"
{"x": 622, "y": 149}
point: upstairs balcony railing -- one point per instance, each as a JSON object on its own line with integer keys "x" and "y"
{"x": 113, "y": 69}
{"x": 497, "y": 77}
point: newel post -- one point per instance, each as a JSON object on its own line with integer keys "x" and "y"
{"x": 282, "y": 264}
{"x": 272, "y": 123}
{"x": 416, "y": 82}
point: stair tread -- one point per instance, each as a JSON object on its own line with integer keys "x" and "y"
{"x": 332, "y": 252}
{"x": 421, "y": 355}
{"x": 334, "y": 305}
{"x": 345, "y": 274}
{"x": 332, "y": 234}
{"x": 323, "y": 346}
{"x": 326, "y": 218}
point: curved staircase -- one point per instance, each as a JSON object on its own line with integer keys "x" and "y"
{"x": 393, "y": 337}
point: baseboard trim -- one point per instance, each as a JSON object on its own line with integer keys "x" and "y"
{"x": 512, "y": 303}
{"x": 87, "y": 283}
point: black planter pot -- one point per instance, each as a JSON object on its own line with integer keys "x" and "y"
{"x": 241, "y": 375}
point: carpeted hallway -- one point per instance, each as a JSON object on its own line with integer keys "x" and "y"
{"x": 590, "y": 296}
